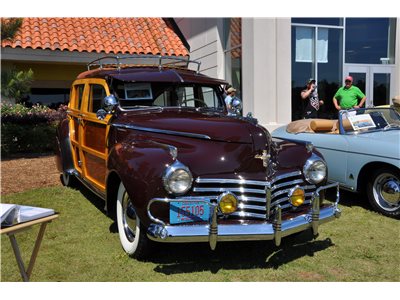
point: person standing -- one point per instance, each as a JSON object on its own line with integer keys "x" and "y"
{"x": 348, "y": 96}
{"x": 231, "y": 92}
{"x": 310, "y": 94}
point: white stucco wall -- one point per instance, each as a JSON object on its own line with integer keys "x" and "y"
{"x": 397, "y": 60}
{"x": 266, "y": 70}
{"x": 204, "y": 37}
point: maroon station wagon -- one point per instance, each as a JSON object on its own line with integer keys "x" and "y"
{"x": 156, "y": 142}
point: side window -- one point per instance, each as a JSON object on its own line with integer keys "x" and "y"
{"x": 78, "y": 95}
{"x": 209, "y": 96}
{"x": 97, "y": 94}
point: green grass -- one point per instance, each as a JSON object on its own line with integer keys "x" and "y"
{"x": 83, "y": 245}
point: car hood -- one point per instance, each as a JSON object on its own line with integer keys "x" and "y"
{"x": 211, "y": 125}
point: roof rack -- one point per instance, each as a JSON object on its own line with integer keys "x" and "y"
{"x": 158, "y": 60}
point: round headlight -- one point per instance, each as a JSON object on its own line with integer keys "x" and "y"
{"x": 177, "y": 179}
{"x": 314, "y": 170}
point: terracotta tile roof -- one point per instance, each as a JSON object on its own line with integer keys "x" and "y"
{"x": 107, "y": 35}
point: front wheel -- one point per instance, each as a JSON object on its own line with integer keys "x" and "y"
{"x": 383, "y": 191}
{"x": 131, "y": 234}
{"x": 68, "y": 180}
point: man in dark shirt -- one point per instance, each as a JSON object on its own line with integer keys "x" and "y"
{"x": 310, "y": 94}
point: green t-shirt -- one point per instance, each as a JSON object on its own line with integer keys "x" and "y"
{"x": 349, "y": 97}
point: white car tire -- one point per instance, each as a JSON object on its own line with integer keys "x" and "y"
{"x": 131, "y": 234}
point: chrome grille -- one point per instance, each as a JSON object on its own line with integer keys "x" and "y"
{"x": 252, "y": 194}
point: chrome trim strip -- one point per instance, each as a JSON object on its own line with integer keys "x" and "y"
{"x": 163, "y": 131}
{"x": 224, "y": 189}
{"x": 293, "y": 182}
{"x": 286, "y": 175}
{"x": 306, "y": 187}
{"x": 254, "y": 207}
{"x": 249, "y": 182}
{"x": 232, "y": 181}
{"x": 253, "y": 199}
{"x": 248, "y": 214}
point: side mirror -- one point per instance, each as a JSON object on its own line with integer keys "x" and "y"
{"x": 108, "y": 104}
{"x": 236, "y": 107}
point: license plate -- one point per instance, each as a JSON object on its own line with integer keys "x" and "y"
{"x": 185, "y": 211}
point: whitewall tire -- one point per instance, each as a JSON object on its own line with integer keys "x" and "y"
{"x": 131, "y": 234}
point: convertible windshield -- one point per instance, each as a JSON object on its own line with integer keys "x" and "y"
{"x": 369, "y": 119}
{"x": 133, "y": 95}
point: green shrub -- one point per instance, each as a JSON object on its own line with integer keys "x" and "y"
{"x": 24, "y": 138}
{"x": 28, "y": 130}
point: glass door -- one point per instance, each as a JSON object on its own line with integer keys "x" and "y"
{"x": 376, "y": 82}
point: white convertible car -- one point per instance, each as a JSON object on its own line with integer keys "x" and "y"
{"x": 362, "y": 150}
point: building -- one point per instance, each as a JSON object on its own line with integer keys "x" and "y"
{"x": 270, "y": 59}
{"x": 58, "y": 49}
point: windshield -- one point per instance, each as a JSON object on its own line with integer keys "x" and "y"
{"x": 133, "y": 95}
{"x": 369, "y": 119}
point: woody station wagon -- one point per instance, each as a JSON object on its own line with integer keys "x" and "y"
{"x": 156, "y": 142}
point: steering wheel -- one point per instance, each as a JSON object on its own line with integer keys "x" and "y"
{"x": 195, "y": 99}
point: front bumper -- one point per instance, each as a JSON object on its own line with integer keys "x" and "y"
{"x": 274, "y": 230}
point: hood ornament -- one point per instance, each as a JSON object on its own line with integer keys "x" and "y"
{"x": 265, "y": 157}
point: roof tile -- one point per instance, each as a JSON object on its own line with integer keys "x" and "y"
{"x": 111, "y": 35}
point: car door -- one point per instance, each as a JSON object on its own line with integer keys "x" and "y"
{"x": 75, "y": 117}
{"x": 93, "y": 134}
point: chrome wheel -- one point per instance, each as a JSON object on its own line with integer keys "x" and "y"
{"x": 383, "y": 191}
{"x": 386, "y": 190}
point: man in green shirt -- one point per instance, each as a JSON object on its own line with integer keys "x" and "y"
{"x": 348, "y": 96}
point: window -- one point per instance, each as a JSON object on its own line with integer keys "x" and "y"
{"x": 51, "y": 97}
{"x": 319, "y": 21}
{"x": 78, "y": 89}
{"x": 97, "y": 94}
{"x": 370, "y": 40}
{"x": 316, "y": 53}
{"x": 233, "y": 53}
{"x": 138, "y": 91}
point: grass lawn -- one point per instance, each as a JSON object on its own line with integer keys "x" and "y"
{"x": 83, "y": 245}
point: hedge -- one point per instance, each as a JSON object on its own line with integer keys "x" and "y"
{"x": 28, "y": 130}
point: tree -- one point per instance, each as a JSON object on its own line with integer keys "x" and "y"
{"x": 14, "y": 84}
{"x": 10, "y": 27}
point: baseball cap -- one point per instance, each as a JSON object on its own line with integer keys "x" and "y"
{"x": 310, "y": 80}
{"x": 231, "y": 89}
{"x": 349, "y": 78}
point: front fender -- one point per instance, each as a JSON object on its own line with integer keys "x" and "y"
{"x": 140, "y": 166}
{"x": 63, "y": 151}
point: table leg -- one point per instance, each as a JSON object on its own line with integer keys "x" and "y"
{"x": 36, "y": 249}
{"x": 17, "y": 253}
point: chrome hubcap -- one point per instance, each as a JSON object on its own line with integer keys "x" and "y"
{"x": 387, "y": 191}
{"x": 128, "y": 218}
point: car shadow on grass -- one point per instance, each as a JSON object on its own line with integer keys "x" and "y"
{"x": 350, "y": 199}
{"x": 198, "y": 257}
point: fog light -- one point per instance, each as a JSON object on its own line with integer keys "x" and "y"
{"x": 228, "y": 203}
{"x": 296, "y": 196}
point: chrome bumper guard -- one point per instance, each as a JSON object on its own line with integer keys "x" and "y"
{"x": 213, "y": 232}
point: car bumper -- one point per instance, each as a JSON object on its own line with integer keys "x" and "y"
{"x": 275, "y": 230}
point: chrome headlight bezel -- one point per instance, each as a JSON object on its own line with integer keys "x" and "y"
{"x": 315, "y": 164}
{"x": 176, "y": 169}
